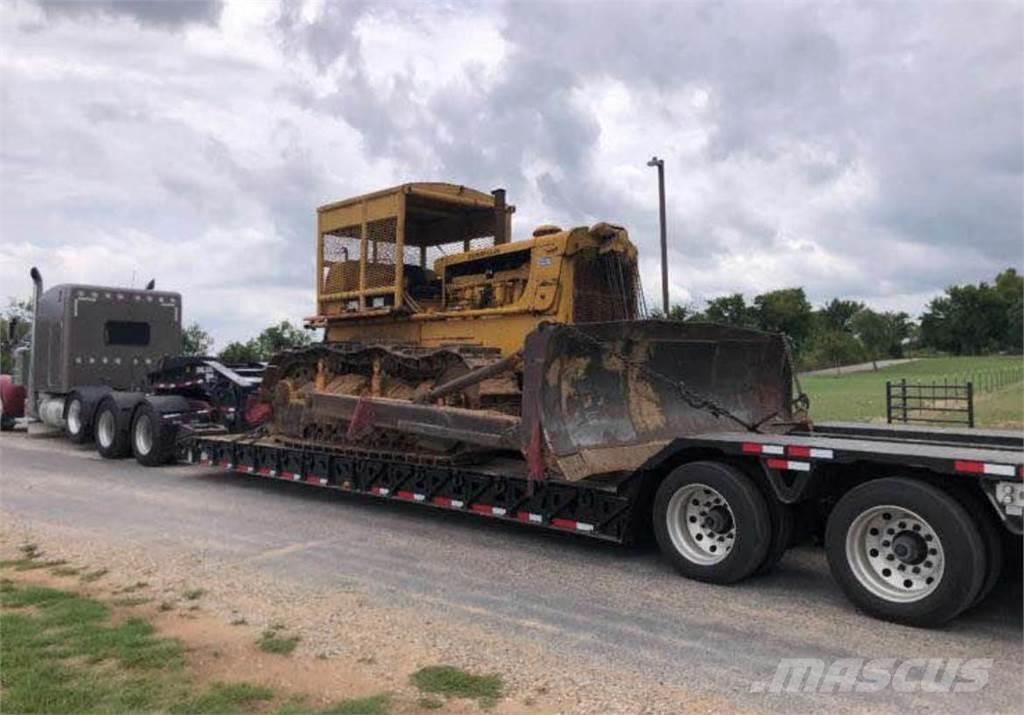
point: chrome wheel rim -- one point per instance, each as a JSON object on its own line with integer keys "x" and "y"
{"x": 895, "y": 554}
{"x": 105, "y": 428}
{"x": 143, "y": 435}
{"x": 701, "y": 524}
{"x": 75, "y": 417}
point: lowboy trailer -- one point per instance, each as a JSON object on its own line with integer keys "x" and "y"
{"x": 912, "y": 517}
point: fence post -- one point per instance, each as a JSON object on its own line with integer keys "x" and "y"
{"x": 888, "y": 401}
{"x": 903, "y": 398}
{"x": 970, "y": 404}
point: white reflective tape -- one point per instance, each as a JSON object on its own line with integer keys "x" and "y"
{"x": 457, "y": 504}
{"x": 798, "y": 466}
{"x": 497, "y": 511}
{"x": 821, "y": 454}
{"x": 1003, "y": 470}
{"x": 772, "y": 449}
{"x": 419, "y": 497}
{"x": 536, "y": 518}
{"x": 297, "y": 477}
{"x": 323, "y": 482}
{"x": 580, "y": 526}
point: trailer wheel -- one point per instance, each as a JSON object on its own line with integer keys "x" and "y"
{"x": 783, "y": 528}
{"x": 981, "y": 511}
{"x": 905, "y": 551}
{"x": 76, "y": 427}
{"x": 111, "y": 439}
{"x": 711, "y": 522}
{"x": 148, "y": 438}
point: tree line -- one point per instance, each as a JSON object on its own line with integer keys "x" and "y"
{"x": 965, "y": 320}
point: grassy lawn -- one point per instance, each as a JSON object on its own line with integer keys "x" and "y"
{"x": 63, "y": 651}
{"x": 999, "y": 391}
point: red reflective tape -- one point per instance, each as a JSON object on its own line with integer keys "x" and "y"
{"x": 482, "y": 508}
{"x": 442, "y": 501}
{"x": 798, "y": 451}
{"x": 263, "y": 471}
{"x": 751, "y": 448}
{"x": 777, "y": 463}
{"x": 969, "y": 467}
{"x": 312, "y": 479}
{"x": 405, "y": 495}
{"x": 564, "y": 523}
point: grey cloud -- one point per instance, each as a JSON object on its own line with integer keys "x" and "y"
{"x": 160, "y": 13}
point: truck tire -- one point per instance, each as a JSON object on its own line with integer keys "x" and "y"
{"x": 76, "y": 423}
{"x": 712, "y": 522}
{"x": 981, "y": 511}
{"x": 905, "y": 551}
{"x": 152, "y": 444}
{"x": 111, "y": 437}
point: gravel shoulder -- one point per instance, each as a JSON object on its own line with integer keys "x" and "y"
{"x": 380, "y": 590}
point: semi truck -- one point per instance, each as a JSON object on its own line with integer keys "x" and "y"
{"x": 520, "y": 381}
{"x": 104, "y": 366}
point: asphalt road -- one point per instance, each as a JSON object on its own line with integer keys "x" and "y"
{"x": 610, "y": 605}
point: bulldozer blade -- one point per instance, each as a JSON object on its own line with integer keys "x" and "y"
{"x": 608, "y": 396}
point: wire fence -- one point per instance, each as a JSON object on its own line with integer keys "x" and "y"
{"x": 984, "y": 380}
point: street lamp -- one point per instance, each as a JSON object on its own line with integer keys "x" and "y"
{"x": 660, "y": 163}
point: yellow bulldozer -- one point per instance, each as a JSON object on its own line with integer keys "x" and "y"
{"x": 446, "y": 340}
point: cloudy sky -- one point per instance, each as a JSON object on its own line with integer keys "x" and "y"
{"x": 869, "y": 150}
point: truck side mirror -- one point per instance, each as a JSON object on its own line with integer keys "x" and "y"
{"x": 12, "y": 330}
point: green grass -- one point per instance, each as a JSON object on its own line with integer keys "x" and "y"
{"x": 62, "y": 653}
{"x": 273, "y": 642}
{"x": 454, "y": 682}
{"x": 861, "y": 396}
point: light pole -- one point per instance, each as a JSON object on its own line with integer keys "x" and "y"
{"x": 660, "y": 163}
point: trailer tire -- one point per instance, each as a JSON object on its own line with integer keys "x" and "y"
{"x": 783, "y": 529}
{"x": 76, "y": 423}
{"x": 111, "y": 439}
{"x": 712, "y": 522}
{"x": 923, "y": 570}
{"x": 150, "y": 441}
{"x": 981, "y": 511}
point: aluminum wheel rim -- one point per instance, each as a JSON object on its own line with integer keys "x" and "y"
{"x": 75, "y": 417}
{"x": 877, "y": 545}
{"x": 143, "y": 435}
{"x": 105, "y": 428}
{"x": 701, "y": 524}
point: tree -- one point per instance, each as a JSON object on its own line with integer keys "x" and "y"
{"x": 836, "y": 314}
{"x": 195, "y": 340}
{"x": 678, "y": 312}
{"x": 785, "y": 311}
{"x": 19, "y": 311}
{"x": 1010, "y": 288}
{"x": 240, "y": 352}
{"x": 729, "y": 310}
{"x": 264, "y": 346}
{"x": 968, "y": 320}
{"x": 881, "y": 334}
{"x": 832, "y": 348}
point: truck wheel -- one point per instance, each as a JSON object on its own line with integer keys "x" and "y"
{"x": 711, "y": 522}
{"x": 75, "y": 426}
{"x": 981, "y": 511}
{"x": 148, "y": 438}
{"x": 905, "y": 551}
{"x": 111, "y": 440}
